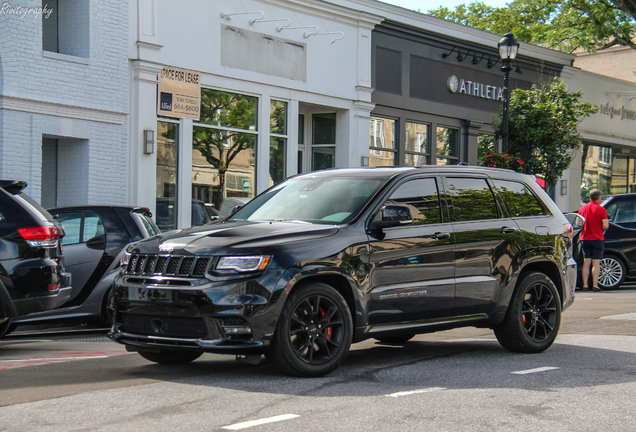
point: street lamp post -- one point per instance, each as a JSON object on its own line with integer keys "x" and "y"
{"x": 508, "y": 48}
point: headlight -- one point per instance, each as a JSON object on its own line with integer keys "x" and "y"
{"x": 125, "y": 259}
{"x": 243, "y": 264}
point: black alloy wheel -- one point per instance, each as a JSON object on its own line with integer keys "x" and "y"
{"x": 534, "y": 316}
{"x": 314, "y": 332}
{"x": 170, "y": 356}
{"x": 4, "y": 327}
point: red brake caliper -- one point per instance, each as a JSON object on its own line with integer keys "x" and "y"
{"x": 328, "y": 330}
{"x": 523, "y": 318}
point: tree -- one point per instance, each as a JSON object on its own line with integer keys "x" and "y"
{"x": 543, "y": 127}
{"x": 221, "y": 146}
{"x": 567, "y": 25}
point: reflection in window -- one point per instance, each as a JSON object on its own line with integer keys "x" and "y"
{"x": 278, "y": 141}
{"x": 422, "y": 197}
{"x": 518, "y": 199}
{"x": 416, "y": 144}
{"x": 301, "y": 143}
{"x": 323, "y": 158}
{"x": 323, "y": 141}
{"x": 447, "y": 146}
{"x": 471, "y": 199}
{"x": 223, "y": 154}
{"x": 382, "y": 142}
{"x": 166, "y": 186}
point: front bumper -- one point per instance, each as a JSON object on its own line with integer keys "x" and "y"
{"x": 232, "y": 317}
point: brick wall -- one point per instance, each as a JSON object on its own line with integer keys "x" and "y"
{"x": 92, "y": 163}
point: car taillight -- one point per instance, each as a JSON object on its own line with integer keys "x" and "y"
{"x": 568, "y": 230}
{"x": 53, "y": 287}
{"x": 42, "y": 236}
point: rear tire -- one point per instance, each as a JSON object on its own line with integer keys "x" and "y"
{"x": 169, "y": 357}
{"x": 314, "y": 332}
{"x": 397, "y": 339}
{"x": 534, "y": 316}
{"x": 4, "y": 328}
{"x": 612, "y": 272}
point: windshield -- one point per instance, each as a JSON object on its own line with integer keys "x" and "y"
{"x": 312, "y": 199}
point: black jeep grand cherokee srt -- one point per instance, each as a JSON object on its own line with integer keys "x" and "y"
{"x": 32, "y": 275}
{"x": 329, "y": 258}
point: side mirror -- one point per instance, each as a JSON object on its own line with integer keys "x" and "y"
{"x": 576, "y": 220}
{"x": 97, "y": 243}
{"x": 394, "y": 215}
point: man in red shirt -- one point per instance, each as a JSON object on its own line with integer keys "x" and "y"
{"x": 596, "y": 223}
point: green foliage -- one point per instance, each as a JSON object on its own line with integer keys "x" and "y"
{"x": 543, "y": 127}
{"x": 566, "y": 25}
{"x": 219, "y": 146}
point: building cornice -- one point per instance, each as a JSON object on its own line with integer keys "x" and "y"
{"x": 16, "y": 103}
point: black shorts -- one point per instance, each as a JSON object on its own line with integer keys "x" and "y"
{"x": 593, "y": 249}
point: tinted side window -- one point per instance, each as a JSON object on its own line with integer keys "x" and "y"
{"x": 75, "y": 231}
{"x": 623, "y": 211}
{"x": 518, "y": 199}
{"x": 422, "y": 196}
{"x": 471, "y": 199}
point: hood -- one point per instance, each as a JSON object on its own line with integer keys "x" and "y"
{"x": 208, "y": 239}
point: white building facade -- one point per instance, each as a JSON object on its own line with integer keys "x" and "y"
{"x": 285, "y": 88}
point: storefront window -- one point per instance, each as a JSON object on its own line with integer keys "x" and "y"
{"x": 447, "y": 146}
{"x": 323, "y": 141}
{"x": 382, "y": 142}
{"x": 277, "y": 141}
{"x": 607, "y": 171}
{"x": 417, "y": 150}
{"x": 167, "y": 151}
{"x": 223, "y": 156}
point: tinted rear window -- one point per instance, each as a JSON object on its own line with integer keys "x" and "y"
{"x": 518, "y": 199}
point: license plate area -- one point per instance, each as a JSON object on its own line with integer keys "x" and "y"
{"x": 149, "y": 294}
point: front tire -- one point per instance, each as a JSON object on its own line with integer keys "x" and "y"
{"x": 170, "y": 357}
{"x": 612, "y": 273}
{"x": 314, "y": 332}
{"x": 533, "y": 318}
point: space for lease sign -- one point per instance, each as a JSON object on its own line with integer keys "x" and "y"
{"x": 179, "y": 93}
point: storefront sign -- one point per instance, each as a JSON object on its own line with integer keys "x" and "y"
{"x": 621, "y": 112}
{"x": 179, "y": 93}
{"x": 471, "y": 88}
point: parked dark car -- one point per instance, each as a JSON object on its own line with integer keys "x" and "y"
{"x": 328, "y": 258}
{"x": 95, "y": 238}
{"x": 201, "y": 214}
{"x": 619, "y": 258}
{"x": 32, "y": 273}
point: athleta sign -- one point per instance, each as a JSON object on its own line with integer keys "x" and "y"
{"x": 471, "y": 88}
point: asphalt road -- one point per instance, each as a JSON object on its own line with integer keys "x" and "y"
{"x": 459, "y": 380}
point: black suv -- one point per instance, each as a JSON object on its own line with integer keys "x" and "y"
{"x": 333, "y": 257}
{"x": 32, "y": 276}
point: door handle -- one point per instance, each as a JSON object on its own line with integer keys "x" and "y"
{"x": 507, "y": 230}
{"x": 441, "y": 235}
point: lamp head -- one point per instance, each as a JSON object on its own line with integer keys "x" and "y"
{"x": 508, "y": 47}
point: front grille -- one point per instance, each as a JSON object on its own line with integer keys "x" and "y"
{"x": 233, "y": 322}
{"x": 168, "y": 265}
{"x": 148, "y": 325}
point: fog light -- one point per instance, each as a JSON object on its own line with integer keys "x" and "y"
{"x": 237, "y": 330}
{"x": 53, "y": 287}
